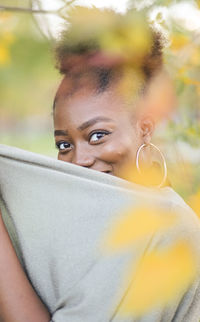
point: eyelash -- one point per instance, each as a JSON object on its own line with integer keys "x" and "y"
{"x": 90, "y": 136}
{"x": 58, "y": 146}
{"x": 97, "y": 132}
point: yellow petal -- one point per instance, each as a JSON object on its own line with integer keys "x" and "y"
{"x": 4, "y": 55}
{"x": 198, "y": 3}
{"x": 160, "y": 278}
{"x": 134, "y": 225}
{"x": 148, "y": 176}
{"x": 179, "y": 41}
{"x": 194, "y": 202}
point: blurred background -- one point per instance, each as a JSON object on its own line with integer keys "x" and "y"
{"x": 28, "y": 79}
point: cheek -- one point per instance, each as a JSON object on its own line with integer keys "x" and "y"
{"x": 65, "y": 157}
{"x": 117, "y": 150}
{"x": 60, "y": 157}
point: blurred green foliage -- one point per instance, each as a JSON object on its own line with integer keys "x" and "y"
{"x": 28, "y": 82}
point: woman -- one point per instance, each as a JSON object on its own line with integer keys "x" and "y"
{"x": 97, "y": 75}
{"x": 104, "y": 120}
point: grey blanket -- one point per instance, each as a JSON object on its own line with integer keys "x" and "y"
{"x": 56, "y": 214}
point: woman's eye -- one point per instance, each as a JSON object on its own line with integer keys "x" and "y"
{"x": 63, "y": 146}
{"x": 97, "y": 136}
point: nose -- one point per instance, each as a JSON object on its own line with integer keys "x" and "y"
{"x": 83, "y": 157}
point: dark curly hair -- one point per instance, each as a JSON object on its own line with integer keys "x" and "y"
{"x": 78, "y": 49}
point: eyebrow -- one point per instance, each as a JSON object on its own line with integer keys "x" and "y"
{"x": 91, "y": 122}
{"x": 60, "y": 133}
{"x": 84, "y": 126}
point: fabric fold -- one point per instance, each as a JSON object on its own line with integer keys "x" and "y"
{"x": 57, "y": 215}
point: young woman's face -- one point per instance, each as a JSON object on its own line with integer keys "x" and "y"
{"x": 95, "y": 131}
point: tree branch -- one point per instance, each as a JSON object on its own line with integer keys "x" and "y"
{"x": 27, "y": 10}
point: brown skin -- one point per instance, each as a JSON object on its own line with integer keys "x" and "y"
{"x": 18, "y": 300}
{"x": 104, "y": 145}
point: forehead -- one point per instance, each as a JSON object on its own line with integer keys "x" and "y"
{"x": 83, "y": 102}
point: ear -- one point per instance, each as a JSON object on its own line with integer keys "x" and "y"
{"x": 146, "y": 126}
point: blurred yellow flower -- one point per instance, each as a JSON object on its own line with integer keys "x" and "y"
{"x": 189, "y": 81}
{"x": 198, "y": 3}
{"x": 131, "y": 39}
{"x": 162, "y": 276}
{"x": 178, "y": 41}
{"x": 130, "y": 84}
{"x": 88, "y": 23}
{"x": 6, "y": 39}
{"x": 4, "y": 55}
{"x": 113, "y": 34}
{"x": 194, "y": 202}
{"x": 134, "y": 225}
{"x": 195, "y": 56}
{"x": 149, "y": 175}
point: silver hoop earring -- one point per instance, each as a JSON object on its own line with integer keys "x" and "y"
{"x": 162, "y": 157}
